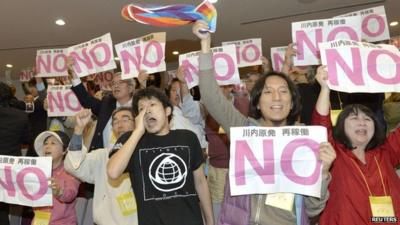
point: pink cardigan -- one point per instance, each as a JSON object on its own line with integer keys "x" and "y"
{"x": 63, "y": 209}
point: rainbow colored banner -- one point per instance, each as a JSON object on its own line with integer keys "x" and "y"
{"x": 171, "y": 15}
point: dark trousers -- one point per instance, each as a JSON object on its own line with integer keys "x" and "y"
{"x": 4, "y": 210}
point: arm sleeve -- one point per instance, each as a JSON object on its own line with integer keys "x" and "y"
{"x": 325, "y": 121}
{"x": 216, "y": 104}
{"x": 197, "y": 159}
{"x": 41, "y": 91}
{"x": 191, "y": 110}
{"x": 86, "y": 100}
{"x": 70, "y": 186}
{"x": 314, "y": 206}
{"x": 25, "y": 132}
{"x": 80, "y": 163}
{"x": 391, "y": 147}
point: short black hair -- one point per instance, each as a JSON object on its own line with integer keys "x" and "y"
{"x": 32, "y": 82}
{"x": 148, "y": 93}
{"x": 123, "y": 108}
{"x": 168, "y": 90}
{"x": 338, "y": 131}
{"x": 257, "y": 91}
{"x": 5, "y": 94}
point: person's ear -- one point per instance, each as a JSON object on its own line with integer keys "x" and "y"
{"x": 168, "y": 111}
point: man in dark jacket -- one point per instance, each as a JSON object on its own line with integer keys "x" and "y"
{"x": 122, "y": 91}
{"x": 13, "y": 133}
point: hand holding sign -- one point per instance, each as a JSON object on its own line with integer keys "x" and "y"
{"x": 180, "y": 74}
{"x": 265, "y": 64}
{"x": 142, "y": 78}
{"x": 322, "y": 77}
{"x": 70, "y": 64}
{"x": 290, "y": 53}
{"x": 327, "y": 155}
{"x": 55, "y": 187}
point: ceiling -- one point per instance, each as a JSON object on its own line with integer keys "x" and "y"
{"x": 28, "y": 25}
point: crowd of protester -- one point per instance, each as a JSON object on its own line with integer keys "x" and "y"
{"x": 102, "y": 157}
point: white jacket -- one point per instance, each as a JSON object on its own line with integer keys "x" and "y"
{"x": 91, "y": 168}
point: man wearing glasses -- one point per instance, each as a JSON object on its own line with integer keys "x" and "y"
{"x": 122, "y": 92}
{"x": 113, "y": 200}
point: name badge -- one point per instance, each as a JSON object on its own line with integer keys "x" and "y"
{"x": 127, "y": 203}
{"x": 221, "y": 130}
{"x": 283, "y": 201}
{"x": 41, "y": 218}
{"x": 381, "y": 206}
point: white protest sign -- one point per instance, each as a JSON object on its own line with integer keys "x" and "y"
{"x": 104, "y": 79}
{"x": 276, "y": 159}
{"x": 144, "y": 53}
{"x": 374, "y": 25}
{"x": 93, "y": 56}
{"x": 51, "y": 62}
{"x": 308, "y": 34}
{"x": 248, "y": 52}
{"x": 26, "y": 74}
{"x": 278, "y": 57}
{"x": 224, "y": 61}
{"x": 23, "y": 180}
{"x": 62, "y": 101}
{"x": 361, "y": 67}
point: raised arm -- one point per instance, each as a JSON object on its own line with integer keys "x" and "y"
{"x": 119, "y": 161}
{"x": 215, "y": 102}
{"x": 41, "y": 88}
{"x": 78, "y": 161}
{"x": 86, "y": 100}
{"x": 288, "y": 63}
{"x": 323, "y": 103}
{"x": 180, "y": 74}
{"x": 190, "y": 108}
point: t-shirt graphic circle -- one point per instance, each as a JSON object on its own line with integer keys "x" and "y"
{"x": 168, "y": 172}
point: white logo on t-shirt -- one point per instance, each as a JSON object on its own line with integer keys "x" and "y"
{"x": 168, "y": 172}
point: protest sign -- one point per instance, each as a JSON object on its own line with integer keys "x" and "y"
{"x": 104, "y": 79}
{"x": 144, "y": 53}
{"x": 278, "y": 57}
{"x": 248, "y": 52}
{"x": 51, "y": 63}
{"x": 93, "y": 56}
{"x": 276, "y": 159}
{"x": 26, "y": 74}
{"x": 24, "y": 180}
{"x": 62, "y": 101}
{"x": 225, "y": 66}
{"x": 308, "y": 34}
{"x": 361, "y": 67}
{"x": 374, "y": 24}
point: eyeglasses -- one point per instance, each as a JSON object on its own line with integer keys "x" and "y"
{"x": 124, "y": 120}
